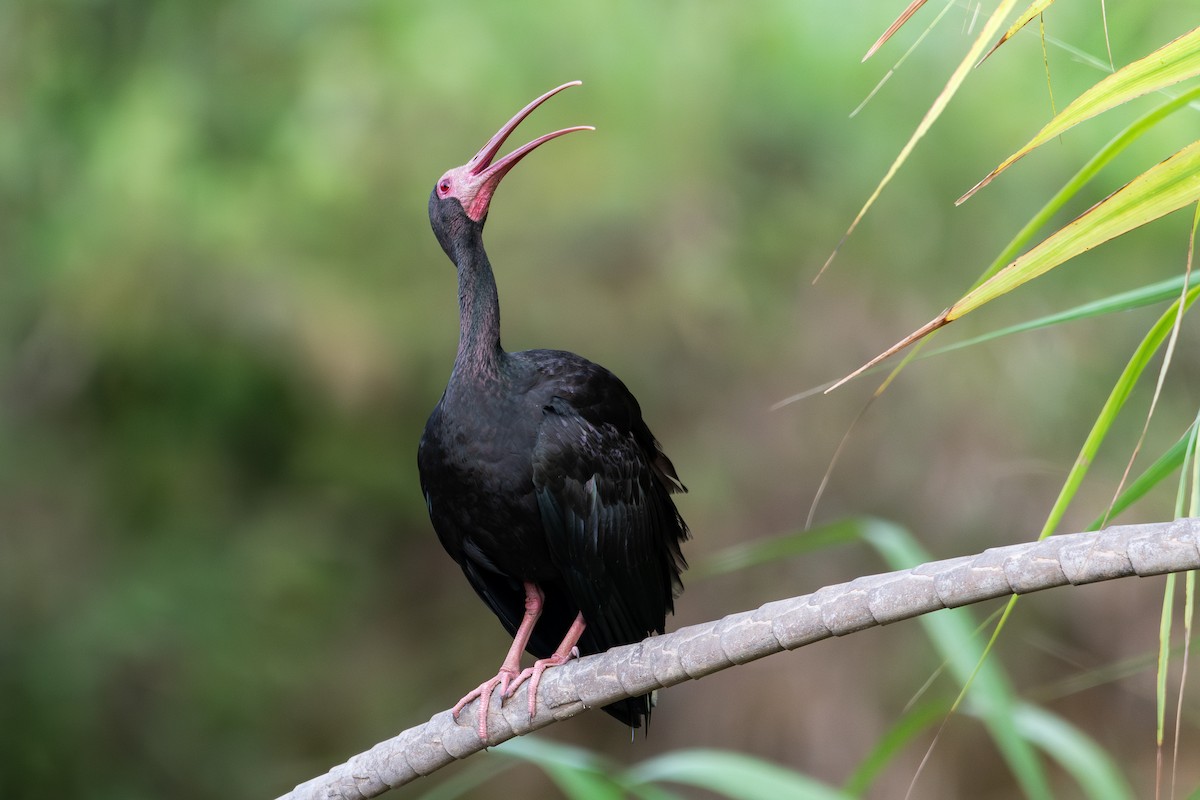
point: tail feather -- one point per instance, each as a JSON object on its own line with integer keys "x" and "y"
{"x": 633, "y": 711}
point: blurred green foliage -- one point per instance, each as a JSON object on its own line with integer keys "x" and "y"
{"x": 223, "y": 320}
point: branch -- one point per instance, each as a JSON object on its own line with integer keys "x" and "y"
{"x": 699, "y": 650}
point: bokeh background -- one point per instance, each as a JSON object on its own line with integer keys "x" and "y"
{"x": 223, "y": 321}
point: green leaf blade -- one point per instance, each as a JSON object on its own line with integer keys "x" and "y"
{"x": 1160, "y": 190}
{"x": 733, "y": 775}
{"x": 1175, "y": 61}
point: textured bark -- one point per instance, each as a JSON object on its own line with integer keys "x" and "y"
{"x": 700, "y": 650}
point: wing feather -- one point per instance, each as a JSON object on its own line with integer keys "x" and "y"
{"x": 611, "y": 526}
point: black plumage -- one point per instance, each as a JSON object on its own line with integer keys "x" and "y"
{"x": 543, "y": 481}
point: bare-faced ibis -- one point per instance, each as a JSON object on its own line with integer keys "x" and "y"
{"x": 543, "y": 481}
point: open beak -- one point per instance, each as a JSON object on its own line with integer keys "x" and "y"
{"x": 482, "y": 176}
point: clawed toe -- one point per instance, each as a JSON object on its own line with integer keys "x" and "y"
{"x": 534, "y": 676}
{"x": 509, "y": 679}
{"x": 484, "y": 692}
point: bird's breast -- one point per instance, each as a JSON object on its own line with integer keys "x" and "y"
{"x": 477, "y": 475}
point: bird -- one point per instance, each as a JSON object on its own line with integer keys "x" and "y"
{"x": 542, "y": 480}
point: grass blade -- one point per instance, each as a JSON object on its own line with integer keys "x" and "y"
{"x": 1163, "y": 467}
{"x": 1164, "y": 367}
{"x": 1091, "y": 767}
{"x": 939, "y": 105}
{"x": 1072, "y": 187}
{"x": 911, "y": 49}
{"x": 1173, "y": 62}
{"x": 896, "y": 25}
{"x": 764, "y": 551}
{"x": 1112, "y": 407}
{"x": 579, "y": 773}
{"x": 891, "y": 744}
{"x": 1034, "y": 10}
{"x": 733, "y": 775}
{"x": 1166, "y": 187}
{"x": 1125, "y": 301}
{"x": 1160, "y": 683}
{"x": 471, "y": 777}
{"x": 952, "y": 633}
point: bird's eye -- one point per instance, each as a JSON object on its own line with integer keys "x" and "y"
{"x": 444, "y": 186}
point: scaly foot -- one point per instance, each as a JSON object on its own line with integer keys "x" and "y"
{"x": 503, "y": 679}
{"x": 534, "y": 676}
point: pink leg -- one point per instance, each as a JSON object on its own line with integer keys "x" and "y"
{"x": 565, "y": 652}
{"x": 512, "y": 662}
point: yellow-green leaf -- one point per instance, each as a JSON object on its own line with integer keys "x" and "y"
{"x": 939, "y": 105}
{"x": 1036, "y": 8}
{"x": 1158, "y": 191}
{"x": 1170, "y": 64}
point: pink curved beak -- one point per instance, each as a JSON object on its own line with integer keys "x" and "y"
{"x": 484, "y": 176}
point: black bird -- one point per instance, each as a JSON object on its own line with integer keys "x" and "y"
{"x": 541, "y": 478}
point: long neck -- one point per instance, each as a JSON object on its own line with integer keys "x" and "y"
{"x": 479, "y": 351}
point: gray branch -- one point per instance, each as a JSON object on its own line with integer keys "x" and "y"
{"x": 700, "y": 650}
